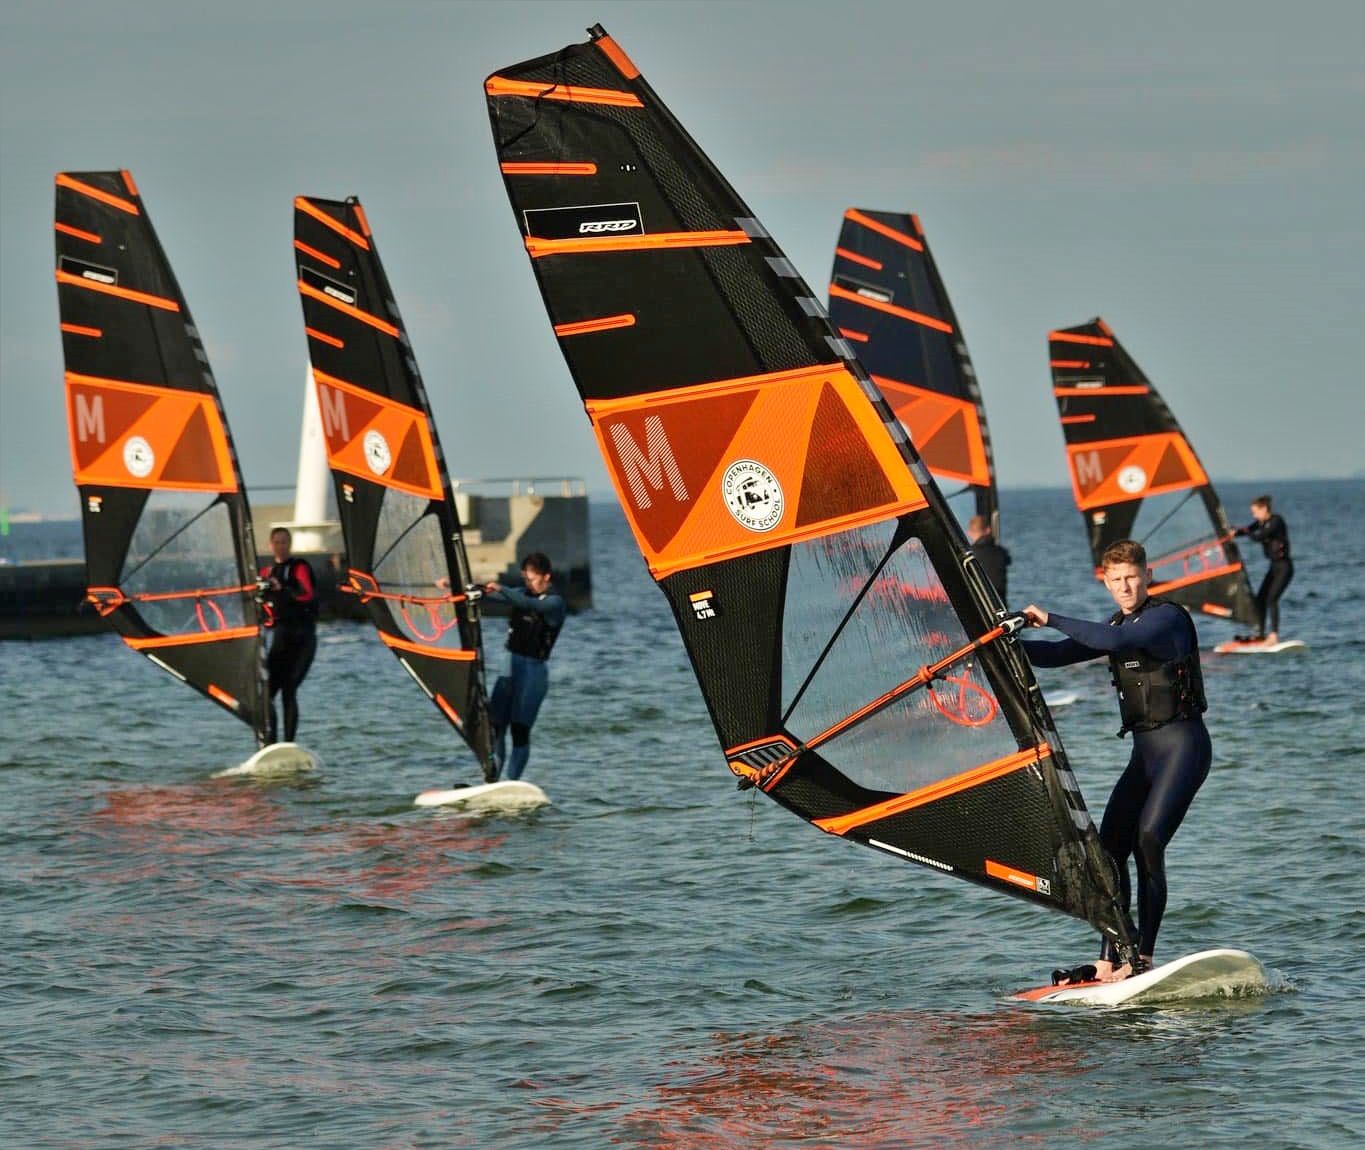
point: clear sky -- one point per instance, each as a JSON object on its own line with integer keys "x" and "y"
{"x": 1191, "y": 171}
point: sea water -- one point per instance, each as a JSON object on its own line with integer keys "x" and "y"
{"x": 655, "y": 960}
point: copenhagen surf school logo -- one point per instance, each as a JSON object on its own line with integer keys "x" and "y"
{"x": 1132, "y": 479}
{"x": 377, "y": 454}
{"x": 753, "y": 495}
{"x": 138, "y": 457}
{"x": 584, "y": 221}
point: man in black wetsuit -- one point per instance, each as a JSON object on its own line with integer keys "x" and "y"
{"x": 992, "y": 558}
{"x": 1271, "y": 532}
{"x": 1153, "y": 653}
{"x": 289, "y": 595}
{"x": 538, "y": 612}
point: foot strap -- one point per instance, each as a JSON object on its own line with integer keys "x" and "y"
{"x": 1083, "y": 973}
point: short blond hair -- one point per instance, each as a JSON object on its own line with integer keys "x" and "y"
{"x": 1124, "y": 551}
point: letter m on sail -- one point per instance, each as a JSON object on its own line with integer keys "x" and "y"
{"x": 332, "y": 402}
{"x": 89, "y": 417}
{"x": 1089, "y": 470}
{"x": 647, "y": 469}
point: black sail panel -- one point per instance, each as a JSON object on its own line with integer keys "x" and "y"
{"x": 1135, "y": 475}
{"x": 852, "y": 658}
{"x": 169, "y": 552}
{"x": 887, "y": 299}
{"x": 406, "y": 554}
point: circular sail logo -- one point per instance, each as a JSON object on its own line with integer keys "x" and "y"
{"x": 1132, "y": 479}
{"x": 138, "y": 457}
{"x": 753, "y": 495}
{"x": 377, "y": 454}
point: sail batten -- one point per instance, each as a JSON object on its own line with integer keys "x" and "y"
{"x": 405, "y": 548}
{"x": 852, "y": 659}
{"x": 1135, "y": 474}
{"x": 169, "y": 550}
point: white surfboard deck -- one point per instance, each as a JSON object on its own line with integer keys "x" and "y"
{"x": 1234, "y": 647}
{"x": 1055, "y": 699}
{"x": 276, "y": 759}
{"x": 504, "y": 795}
{"x": 1205, "y": 974}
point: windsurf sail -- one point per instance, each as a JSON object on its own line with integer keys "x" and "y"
{"x": 168, "y": 546}
{"x": 1135, "y": 475}
{"x": 888, "y": 301}
{"x": 853, "y": 659}
{"x": 405, "y": 552}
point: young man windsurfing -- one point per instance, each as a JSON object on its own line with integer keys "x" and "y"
{"x": 1153, "y": 653}
{"x": 538, "y": 612}
{"x": 289, "y": 595}
{"x": 1272, "y": 533}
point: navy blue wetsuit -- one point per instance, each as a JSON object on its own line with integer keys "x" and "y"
{"x": 1273, "y": 536}
{"x": 531, "y": 632}
{"x": 1168, "y": 765}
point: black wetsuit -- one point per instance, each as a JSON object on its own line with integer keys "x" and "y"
{"x": 291, "y": 617}
{"x": 532, "y": 629}
{"x": 1170, "y": 758}
{"x": 992, "y": 559}
{"x": 1273, "y": 536}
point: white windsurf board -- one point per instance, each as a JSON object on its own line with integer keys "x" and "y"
{"x": 273, "y": 760}
{"x": 504, "y": 795}
{"x": 1205, "y": 974}
{"x": 1261, "y": 647}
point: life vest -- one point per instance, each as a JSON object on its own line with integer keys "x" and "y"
{"x": 530, "y": 633}
{"x": 283, "y": 609}
{"x": 1154, "y": 691}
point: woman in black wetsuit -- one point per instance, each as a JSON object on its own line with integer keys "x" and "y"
{"x": 1272, "y": 533}
{"x": 1153, "y": 652}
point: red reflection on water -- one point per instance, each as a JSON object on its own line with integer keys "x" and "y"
{"x": 893, "y": 1080}
{"x": 416, "y": 856}
{"x": 189, "y": 819}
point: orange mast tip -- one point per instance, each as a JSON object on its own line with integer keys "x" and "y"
{"x": 360, "y": 215}
{"x": 128, "y": 181}
{"x": 617, "y": 56}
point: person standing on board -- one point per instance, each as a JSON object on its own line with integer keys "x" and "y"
{"x": 1153, "y": 652}
{"x": 289, "y": 595}
{"x": 1272, "y": 533}
{"x": 990, "y": 556}
{"x": 538, "y": 612}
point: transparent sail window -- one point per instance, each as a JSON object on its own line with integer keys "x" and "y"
{"x": 181, "y": 571}
{"x": 1180, "y": 538}
{"x": 411, "y": 571}
{"x": 902, "y": 621}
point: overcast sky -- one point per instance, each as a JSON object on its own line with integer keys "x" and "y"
{"x": 1191, "y": 171}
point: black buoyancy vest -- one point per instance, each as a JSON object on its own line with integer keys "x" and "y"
{"x": 531, "y": 633}
{"x": 1155, "y": 691}
{"x": 285, "y": 611}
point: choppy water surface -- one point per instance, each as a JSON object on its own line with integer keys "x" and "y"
{"x": 655, "y": 960}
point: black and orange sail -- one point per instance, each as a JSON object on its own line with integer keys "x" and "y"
{"x": 169, "y": 553}
{"x": 404, "y": 547}
{"x": 1135, "y": 475}
{"x": 887, "y": 299}
{"x": 854, "y": 662}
